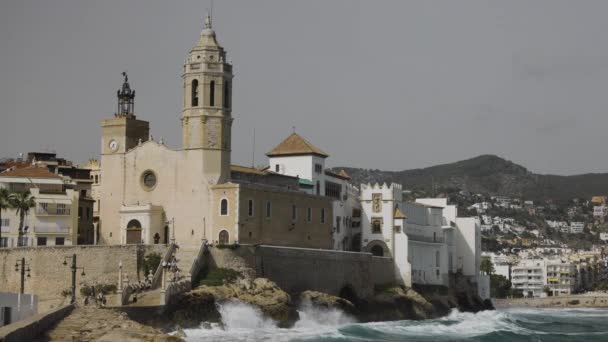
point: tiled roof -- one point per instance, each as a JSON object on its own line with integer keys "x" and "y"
{"x": 30, "y": 172}
{"x": 245, "y": 169}
{"x": 296, "y": 145}
{"x": 399, "y": 214}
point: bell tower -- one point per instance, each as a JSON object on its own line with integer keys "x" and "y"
{"x": 207, "y": 105}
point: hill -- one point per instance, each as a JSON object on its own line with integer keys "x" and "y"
{"x": 488, "y": 174}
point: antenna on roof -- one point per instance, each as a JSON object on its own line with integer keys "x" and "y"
{"x": 293, "y": 128}
{"x": 253, "y": 150}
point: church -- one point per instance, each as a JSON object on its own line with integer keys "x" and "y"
{"x": 151, "y": 193}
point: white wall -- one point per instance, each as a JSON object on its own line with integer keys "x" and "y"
{"x": 468, "y": 245}
{"x": 22, "y": 305}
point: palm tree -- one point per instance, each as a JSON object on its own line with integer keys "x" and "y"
{"x": 4, "y": 204}
{"x": 22, "y": 202}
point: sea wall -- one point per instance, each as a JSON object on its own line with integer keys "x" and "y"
{"x": 300, "y": 269}
{"x": 49, "y": 277}
{"x": 28, "y": 329}
{"x": 600, "y": 301}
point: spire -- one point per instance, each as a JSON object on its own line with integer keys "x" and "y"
{"x": 208, "y": 21}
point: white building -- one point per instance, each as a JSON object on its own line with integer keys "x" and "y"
{"x": 296, "y": 156}
{"x": 577, "y": 227}
{"x": 529, "y": 275}
{"x": 55, "y": 217}
{"x": 426, "y": 239}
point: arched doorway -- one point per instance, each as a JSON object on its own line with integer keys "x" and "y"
{"x": 224, "y": 238}
{"x": 166, "y": 235}
{"x": 377, "y": 250}
{"x": 133, "y": 232}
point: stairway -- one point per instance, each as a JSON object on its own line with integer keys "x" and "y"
{"x": 186, "y": 256}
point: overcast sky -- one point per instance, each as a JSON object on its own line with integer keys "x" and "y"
{"x": 377, "y": 84}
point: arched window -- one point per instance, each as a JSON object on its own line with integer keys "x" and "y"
{"x": 224, "y": 207}
{"x": 226, "y": 94}
{"x": 224, "y": 238}
{"x": 194, "y": 93}
{"x": 212, "y": 93}
{"x": 377, "y": 251}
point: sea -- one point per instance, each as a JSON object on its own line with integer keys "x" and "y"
{"x": 242, "y": 322}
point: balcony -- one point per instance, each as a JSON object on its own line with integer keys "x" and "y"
{"x": 422, "y": 238}
{"x": 51, "y": 228}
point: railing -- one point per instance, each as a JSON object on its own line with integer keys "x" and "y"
{"x": 197, "y": 265}
{"x": 422, "y": 238}
{"x": 175, "y": 288}
{"x": 158, "y": 275}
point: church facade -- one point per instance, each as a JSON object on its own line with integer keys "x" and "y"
{"x": 150, "y": 193}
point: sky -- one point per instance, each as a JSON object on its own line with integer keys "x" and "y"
{"x": 380, "y": 84}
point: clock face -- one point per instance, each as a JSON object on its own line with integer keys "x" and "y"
{"x": 113, "y": 145}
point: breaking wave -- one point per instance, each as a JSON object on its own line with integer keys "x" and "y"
{"x": 243, "y": 322}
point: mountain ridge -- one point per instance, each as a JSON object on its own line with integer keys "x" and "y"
{"x": 488, "y": 174}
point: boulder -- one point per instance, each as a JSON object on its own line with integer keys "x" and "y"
{"x": 323, "y": 300}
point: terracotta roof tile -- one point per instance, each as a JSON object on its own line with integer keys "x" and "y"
{"x": 296, "y": 145}
{"x": 30, "y": 172}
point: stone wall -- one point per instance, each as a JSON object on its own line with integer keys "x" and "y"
{"x": 49, "y": 277}
{"x": 382, "y": 270}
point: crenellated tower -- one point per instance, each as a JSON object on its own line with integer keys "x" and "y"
{"x": 206, "y": 115}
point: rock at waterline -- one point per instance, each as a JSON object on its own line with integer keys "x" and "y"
{"x": 326, "y": 301}
{"x": 198, "y": 305}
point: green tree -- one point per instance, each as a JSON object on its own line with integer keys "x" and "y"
{"x": 4, "y": 204}
{"x": 500, "y": 286}
{"x": 22, "y": 202}
{"x": 486, "y": 266}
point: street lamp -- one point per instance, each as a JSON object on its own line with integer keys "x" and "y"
{"x": 23, "y": 269}
{"x": 74, "y": 268}
{"x": 172, "y": 222}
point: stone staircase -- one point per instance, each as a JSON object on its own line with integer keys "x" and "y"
{"x": 186, "y": 256}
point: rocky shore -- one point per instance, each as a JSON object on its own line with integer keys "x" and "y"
{"x": 389, "y": 304}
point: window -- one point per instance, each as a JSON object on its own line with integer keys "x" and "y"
{"x": 318, "y": 188}
{"x": 43, "y": 208}
{"x": 276, "y": 168}
{"x": 83, "y": 193}
{"x": 376, "y": 226}
{"x": 437, "y": 255}
{"x": 41, "y": 241}
{"x": 22, "y": 241}
{"x": 79, "y": 212}
{"x": 268, "y": 208}
{"x": 397, "y": 229}
{"x": 96, "y": 179}
{"x": 309, "y": 215}
{"x": 226, "y": 94}
{"x": 62, "y": 209}
{"x": 333, "y": 190}
{"x": 3, "y": 242}
{"x": 148, "y": 180}
{"x": 323, "y": 215}
{"x": 59, "y": 241}
{"x": 194, "y": 95}
{"x": 318, "y": 168}
{"x": 434, "y": 237}
{"x": 294, "y": 213}
{"x": 224, "y": 207}
{"x": 338, "y": 224}
{"x": 250, "y": 208}
{"x": 88, "y": 213}
{"x": 5, "y": 222}
{"x": 212, "y": 93}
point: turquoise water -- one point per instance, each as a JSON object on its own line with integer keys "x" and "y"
{"x": 244, "y": 323}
